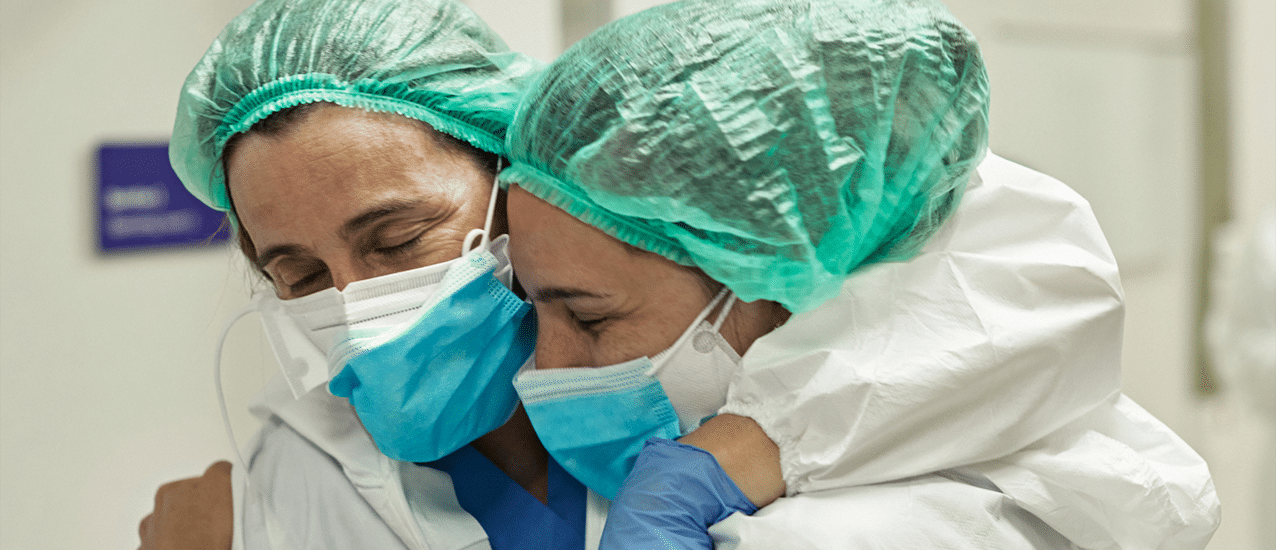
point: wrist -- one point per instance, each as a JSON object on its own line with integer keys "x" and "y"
{"x": 745, "y": 453}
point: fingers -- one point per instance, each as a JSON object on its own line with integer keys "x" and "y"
{"x": 191, "y": 513}
{"x": 221, "y": 468}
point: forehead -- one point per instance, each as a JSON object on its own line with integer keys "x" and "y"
{"x": 329, "y": 145}
{"x": 335, "y": 161}
{"x": 553, "y": 248}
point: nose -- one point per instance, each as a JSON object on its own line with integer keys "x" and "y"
{"x": 348, "y": 272}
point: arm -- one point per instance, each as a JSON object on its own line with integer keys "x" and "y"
{"x": 929, "y": 511}
{"x": 745, "y": 453}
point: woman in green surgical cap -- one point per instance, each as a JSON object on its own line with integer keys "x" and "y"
{"x": 775, "y": 267}
{"x": 354, "y": 146}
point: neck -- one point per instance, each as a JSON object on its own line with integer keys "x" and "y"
{"x": 515, "y": 449}
{"x": 749, "y": 321}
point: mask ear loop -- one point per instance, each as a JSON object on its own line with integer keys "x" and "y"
{"x": 217, "y": 380}
{"x": 663, "y": 358}
{"x": 485, "y": 234}
{"x": 726, "y": 310}
{"x": 274, "y": 531}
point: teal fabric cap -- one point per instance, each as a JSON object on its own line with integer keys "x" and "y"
{"x": 431, "y": 60}
{"x": 778, "y": 145}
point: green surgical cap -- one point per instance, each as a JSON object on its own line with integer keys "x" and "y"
{"x": 777, "y": 145}
{"x": 431, "y": 60}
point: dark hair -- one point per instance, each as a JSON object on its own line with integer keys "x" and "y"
{"x": 283, "y": 120}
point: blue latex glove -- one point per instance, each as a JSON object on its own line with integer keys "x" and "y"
{"x": 672, "y": 496}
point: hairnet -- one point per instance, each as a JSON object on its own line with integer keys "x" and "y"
{"x": 431, "y": 60}
{"x": 777, "y": 145}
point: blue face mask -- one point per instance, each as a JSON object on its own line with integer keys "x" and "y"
{"x": 594, "y": 421}
{"x": 427, "y": 387}
{"x": 434, "y": 385}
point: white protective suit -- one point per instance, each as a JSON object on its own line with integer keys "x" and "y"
{"x": 318, "y": 482}
{"x": 996, "y": 350}
{"x": 967, "y": 399}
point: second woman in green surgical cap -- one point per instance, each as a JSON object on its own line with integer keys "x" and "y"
{"x": 771, "y": 257}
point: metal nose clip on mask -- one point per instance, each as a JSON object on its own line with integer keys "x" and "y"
{"x": 594, "y": 421}
{"x": 424, "y": 356}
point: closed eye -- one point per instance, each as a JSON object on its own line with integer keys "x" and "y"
{"x": 401, "y": 248}
{"x": 587, "y": 321}
{"x": 308, "y": 284}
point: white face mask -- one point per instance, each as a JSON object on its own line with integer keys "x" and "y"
{"x": 303, "y": 331}
{"x": 697, "y": 369}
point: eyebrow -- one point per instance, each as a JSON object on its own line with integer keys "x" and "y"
{"x": 387, "y": 208}
{"x": 564, "y": 293}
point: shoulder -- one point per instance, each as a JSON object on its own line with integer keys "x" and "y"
{"x": 302, "y": 494}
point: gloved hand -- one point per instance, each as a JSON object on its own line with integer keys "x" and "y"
{"x": 672, "y": 496}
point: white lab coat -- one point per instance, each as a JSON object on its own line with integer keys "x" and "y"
{"x": 318, "y": 482}
{"x": 996, "y": 351}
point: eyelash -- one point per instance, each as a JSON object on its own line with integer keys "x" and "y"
{"x": 401, "y": 248}
{"x": 305, "y": 282}
{"x": 590, "y": 325}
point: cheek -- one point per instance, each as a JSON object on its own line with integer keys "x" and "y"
{"x": 625, "y": 340}
{"x": 559, "y": 344}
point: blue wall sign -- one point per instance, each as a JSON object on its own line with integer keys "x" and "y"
{"x": 142, "y": 204}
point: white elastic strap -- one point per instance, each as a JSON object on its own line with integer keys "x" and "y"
{"x": 274, "y": 531}
{"x": 726, "y": 310}
{"x": 221, "y": 394}
{"x": 486, "y": 232}
{"x": 686, "y": 334}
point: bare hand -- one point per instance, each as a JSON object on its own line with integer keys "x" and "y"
{"x": 192, "y": 514}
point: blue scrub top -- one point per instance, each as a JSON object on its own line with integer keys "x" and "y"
{"x": 512, "y": 517}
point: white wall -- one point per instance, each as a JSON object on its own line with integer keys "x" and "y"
{"x": 1253, "y": 76}
{"x": 105, "y": 362}
{"x": 1239, "y": 444}
{"x": 533, "y": 27}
